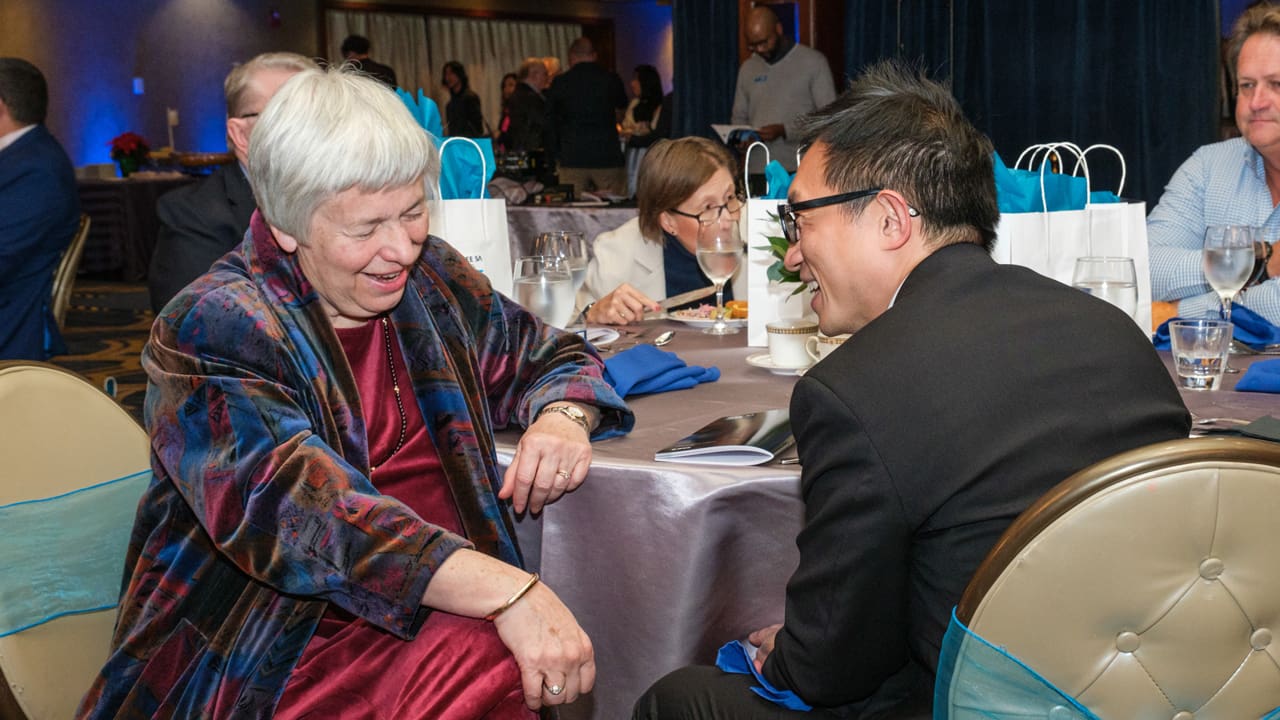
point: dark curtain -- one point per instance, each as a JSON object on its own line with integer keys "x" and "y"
{"x": 705, "y": 50}
{"x": 1139, "y": 75}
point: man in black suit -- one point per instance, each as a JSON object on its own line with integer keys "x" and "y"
{"x": 356, "y": 50}
{"x": 967, "y": 391}
{"x": 585, "y": 104}
{"x": 528, "y": 109}
{"x": 39, "y": 213}
{"x": 200, "y": 223}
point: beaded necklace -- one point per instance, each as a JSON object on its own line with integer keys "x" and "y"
{"x": 395, "y": 386}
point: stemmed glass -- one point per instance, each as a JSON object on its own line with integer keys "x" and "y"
{"x": 1228, "y": 262}
{"x": 1109, "y": 278}
{"x": 544, "y": 287}
{"x": 571, "y": 247}
{"x": 719, "y": 253}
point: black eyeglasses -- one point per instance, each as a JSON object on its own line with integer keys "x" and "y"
{"x": 787, "y": 211}
{"x": 732, "y": 206}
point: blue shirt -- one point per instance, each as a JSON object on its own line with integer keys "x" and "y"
{"x": 1220, "y": 184}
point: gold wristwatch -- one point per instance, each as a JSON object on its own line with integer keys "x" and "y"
{"x": 572, "y": 412}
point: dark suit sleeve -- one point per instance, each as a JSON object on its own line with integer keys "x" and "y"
{"x": 198, "y": 225}
{"x": 845, "y": 626}
{"x": 32, "y": 202}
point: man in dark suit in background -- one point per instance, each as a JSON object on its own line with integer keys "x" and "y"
{"x": 39, "y": 213}
{"x": 585, "y": 104}
{"x": 967, "y": 391}
{"x": 200, "y": 223}
{"x": 356, "y": 50}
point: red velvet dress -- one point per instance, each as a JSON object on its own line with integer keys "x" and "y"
{"x": 456, "y": 668}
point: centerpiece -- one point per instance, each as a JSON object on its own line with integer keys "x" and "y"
{"x": 129, "y": 150}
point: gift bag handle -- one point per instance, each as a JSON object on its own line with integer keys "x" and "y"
{"x": 484, "y": 167}
{"x": 1056, "y": 149}
{"x": 746, "y": 163}
{"x": 1124, "y": 170}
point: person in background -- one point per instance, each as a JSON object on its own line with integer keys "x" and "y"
{"x": 553, "y": 68}
{"x": 528, "y": 108}
{"x": 355, "y": 49}
{"x": 201, "y": 222}
{"x": 509, "y": 83}
{"x": 462, "y": 114}
{"x": 641, "y": 119}
{"x": 1234, "y": 182}
{"x": 778, "y": 84}
{"x": 39, "y": 214}
{"x": 585, "y": 104}
{"x": 327, "y": 533}
{"x": 683, "y": 184}
{"x": 917, "y": 452}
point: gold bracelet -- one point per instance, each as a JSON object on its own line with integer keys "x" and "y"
{"x": 533, "y": 580}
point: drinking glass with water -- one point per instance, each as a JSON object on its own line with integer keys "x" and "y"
{"x": 1109, "y": 278}
{"x": 543, "y": 285}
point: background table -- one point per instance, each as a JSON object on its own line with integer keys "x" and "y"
{"x": 525, "y": 222}
{"x": 124, "y": 225}
{"x": 662, "y": 563}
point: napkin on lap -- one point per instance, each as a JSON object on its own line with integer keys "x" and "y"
{"x": 646, "y": 369}
{"x": 733, "y": 658}
{"x": 1261, "y": 376}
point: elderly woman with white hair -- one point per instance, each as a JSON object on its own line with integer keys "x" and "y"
{"x": 327, "y": 533}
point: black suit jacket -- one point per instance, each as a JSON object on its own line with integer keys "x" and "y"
{"x": 378, "y": 70}
{"x": 198, "y": 224}
{"x": 528, "y": 111}
{"x": 583, "y": 104}
{"x": 39, "y": 213}
{"x": 922, "y": 437}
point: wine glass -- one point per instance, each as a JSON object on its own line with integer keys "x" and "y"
{"x": 571, "y": 247}
{"x": 544, "y": 287}
{"x": 1228, "y": 261}
{"x": 719, "y": 253}
{"x": 1109, "y": 278}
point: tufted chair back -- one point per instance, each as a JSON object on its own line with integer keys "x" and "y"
{"x": 1147, "y": 587}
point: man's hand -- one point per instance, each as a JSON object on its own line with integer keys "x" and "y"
{"x": 763, "y": 638}
{"x": 771, "y": 132}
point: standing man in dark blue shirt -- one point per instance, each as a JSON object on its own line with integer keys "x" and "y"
{"x": 586, "y": 104}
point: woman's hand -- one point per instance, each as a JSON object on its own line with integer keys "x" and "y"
{"x": 551, "y": 459}
{"x": 622, "y": 306}
{"x": 553, "y": 652}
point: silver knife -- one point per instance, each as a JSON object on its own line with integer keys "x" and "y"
{"x": 685, "y": 297}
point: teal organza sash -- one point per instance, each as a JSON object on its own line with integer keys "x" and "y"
{"x": 979, "y": 681}
{"x": 64, "y": 555}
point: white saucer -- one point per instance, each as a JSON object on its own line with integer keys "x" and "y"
{"x": 763, "y": 360}
{"x": 601, "y": 336}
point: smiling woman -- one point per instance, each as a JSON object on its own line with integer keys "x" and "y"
{"x": 321, "y": 406}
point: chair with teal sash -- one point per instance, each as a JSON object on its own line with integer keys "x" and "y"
{"x": 1146, "y": 587}
{"x": 74, "y": 465}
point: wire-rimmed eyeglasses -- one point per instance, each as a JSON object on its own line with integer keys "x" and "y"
{"x": 787, "y": 211}
{"x": 732, "y": 206}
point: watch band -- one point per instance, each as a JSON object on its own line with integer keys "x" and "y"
{"x": 570, "y": 412}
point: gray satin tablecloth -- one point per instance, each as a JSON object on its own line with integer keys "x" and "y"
{"x": 525, "y": 222}
{"x": 662, "y": 563}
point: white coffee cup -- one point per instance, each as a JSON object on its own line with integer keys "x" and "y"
{"x": 787, "y": 342}
{"x": 819, "y": 346}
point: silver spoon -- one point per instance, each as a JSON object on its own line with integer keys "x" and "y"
{"x": 664, "y": 338}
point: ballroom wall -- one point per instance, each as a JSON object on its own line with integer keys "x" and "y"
{"x": 90, "y": 52}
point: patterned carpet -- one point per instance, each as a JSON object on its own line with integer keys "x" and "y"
{"x": 106, "y": 327}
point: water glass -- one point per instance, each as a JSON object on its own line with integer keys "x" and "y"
{"x": 1109, "y": 278}
{"x": 544, "y": 287}
{"x": 719, "y": 254}
{"x": 1200, "y": 350}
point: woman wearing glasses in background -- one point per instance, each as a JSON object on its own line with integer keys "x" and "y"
{"x": 683, "y": 184}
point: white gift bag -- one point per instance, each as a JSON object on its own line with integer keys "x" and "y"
{"x": 476, "y": 228}
{"x": 766, "y": 301}
{"x": 1050, "y": 242}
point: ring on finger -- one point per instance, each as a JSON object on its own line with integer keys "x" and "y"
{"x": 554, "y": 689}
{"x": 563, "y": 475}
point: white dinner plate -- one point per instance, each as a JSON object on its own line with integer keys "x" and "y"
{"x": 705, "y": 322}
{"x": 601, "y": 336}
{"x": 763, "y": 360}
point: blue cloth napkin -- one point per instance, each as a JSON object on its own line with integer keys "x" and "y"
{"x": 1261, "y": 376}
{"x": 1249, "y": 328}
{"x": 460, "y": 170}
{"x": 778, "y": 179}
{"x": 645, "y": 369}
{"x": 1018, "y": 191}
{"x": 734, "y": 658}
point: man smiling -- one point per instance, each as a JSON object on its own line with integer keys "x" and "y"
{"x": 967, "y": 390}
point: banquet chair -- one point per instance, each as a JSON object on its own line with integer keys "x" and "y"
{"x": 1146, "y": 586}
{"x": 64, "y": 279}
{"x": 75, "y": 464}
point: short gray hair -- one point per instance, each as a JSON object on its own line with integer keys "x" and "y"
{"x": 327, "y": 131}
{"x": 236, "y": 86}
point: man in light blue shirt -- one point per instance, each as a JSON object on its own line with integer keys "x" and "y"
{"x": 1235, "y": 182}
